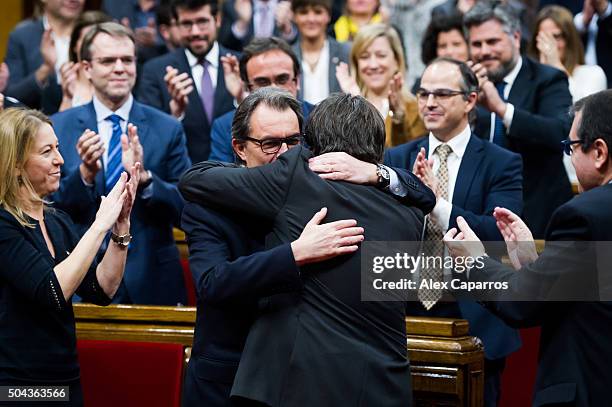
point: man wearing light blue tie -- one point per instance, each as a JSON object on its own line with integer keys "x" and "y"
{"x": 111, "y": 133}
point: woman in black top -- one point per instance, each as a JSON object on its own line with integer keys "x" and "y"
{"x": 43, "y": 261}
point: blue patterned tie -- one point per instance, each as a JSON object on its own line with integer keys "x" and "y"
{"x": 114, "y": 166}
{"x": 499, "y": 135}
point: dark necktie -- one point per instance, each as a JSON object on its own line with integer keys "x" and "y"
{"x": 208, "y": 92}
{"x": 113, "y": 163}
{"x": 499, "y": 135}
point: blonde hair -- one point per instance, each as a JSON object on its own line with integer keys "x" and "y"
{"x": 364, "y": 38}
{"x": 563, "y": 18}
{"x": 18, "y": 130}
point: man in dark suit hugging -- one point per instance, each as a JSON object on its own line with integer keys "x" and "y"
{"x": 320, "y": 344}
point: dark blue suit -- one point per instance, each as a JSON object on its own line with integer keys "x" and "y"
{"x": 541, "y": 100}
{"x": 153, "y": 273}
{"x": 152, "y": 90}
{"x": 221, "y": 135}
{"x": 231, "y": 273}
{"x": 23, "y": 59}
{"x": 489, "y": 176}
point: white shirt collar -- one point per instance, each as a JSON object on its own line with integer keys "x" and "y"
{"x": 212, "y": 57}
{"x": 511, "y": 77}
{"x": 102, "y": 112}
{"x": 258, "y": 4}
{"x": 458, "y": 143}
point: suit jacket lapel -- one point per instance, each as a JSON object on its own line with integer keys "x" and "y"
{"x": 223, "y": 100}
{"x": 520, "y": 88}
{"x": 139, "y": 118}
{"x": 335, "y": 52}
{"x": 467, "y": 170}
{"x": 413, "y": 153}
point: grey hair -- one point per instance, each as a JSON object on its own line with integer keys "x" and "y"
{"x": 275, "y": 98}
{"x": 486, "y": 10}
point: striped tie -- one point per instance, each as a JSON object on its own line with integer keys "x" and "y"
{"x": 113, "y": 163}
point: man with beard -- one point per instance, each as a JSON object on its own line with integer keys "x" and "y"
{"x": 189, "y": 82}
{"x": 523, "y": 107}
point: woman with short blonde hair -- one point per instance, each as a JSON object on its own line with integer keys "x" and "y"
{"x": 378, "y": 68}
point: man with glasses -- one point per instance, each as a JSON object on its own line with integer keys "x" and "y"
{"x": 99, "y": 140}
{"x": 470, "y": 177}
{"x": 522, "y": 106}
{"x": 315, "y": 341}
{"x": 189, "y": 82}
{"x": 566, "y": 289}
{"x": 264, "y": 62}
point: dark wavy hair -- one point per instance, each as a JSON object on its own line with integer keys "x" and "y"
{"x": 346, "y": 123}
{"x": 442, "y": 24}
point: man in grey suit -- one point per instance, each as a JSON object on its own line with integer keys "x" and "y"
{"x": 319, "y": 53}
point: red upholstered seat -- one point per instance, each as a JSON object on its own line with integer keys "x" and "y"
{"x": 118, "y": 374}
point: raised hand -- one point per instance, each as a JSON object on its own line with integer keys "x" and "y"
{"x": 244, "y": 12}
{"x": 111, "y": 205}
{"x": 122, "y": 225}
{"x": 146, "y": 36}
{"x": 343, "y": 167}
{"x": 283, "y": 16}
{"x": 549, "y": 54}
{"x": 90, "y": 149}
{"x": 347, "y": 82}
{"x": 69, "y": 73}
{"x": 488, "y": 97}
{"x": 519, "y": 240}
{"x": 179, "y": 87}
{"x": 320, "y": 242}
{"x": 463, "y": 242}
{"x": 423, "y": 168}
{"x": 132, "y": 152}
{"x": 231, "y": 75}
{"x": 47, "y": 48}
{"x": 396, "y": 103}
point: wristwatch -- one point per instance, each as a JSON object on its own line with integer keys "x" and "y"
{"x": 384, "y": 179}
{"x": 121, "y": 240}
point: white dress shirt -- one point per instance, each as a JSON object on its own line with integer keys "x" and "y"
{"x": 509, "y": 115}
{"x": 316, "y": 83}
{"x": 442, "y": 211}
{"x": 197, "y": 69}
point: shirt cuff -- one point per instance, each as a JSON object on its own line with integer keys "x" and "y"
{"x": 441, "y": 213}
{"x": 607, "y": 11}
{"x": 579, "y": 23}
{"x": 236, "y": 31}
{"x": 87, "y": 184}
{"x": 396, "y": 187}
{"x": 147, "y": 192}
{"x": 508, "y": 116}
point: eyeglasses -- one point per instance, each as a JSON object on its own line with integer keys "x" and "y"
{"x": 278, "y": 80}
{"x": 108, "y": 62}
{"x": 567, "y": 146}
{"x": 273, "y": 145}
{"x": 201, "y": 23}
{"x": 438, "y": 94}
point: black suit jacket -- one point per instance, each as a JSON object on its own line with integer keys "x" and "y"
{"x": 575, "y": 340}
{"x": 152, "y": 91}
{"x": 328, "y": 346}
{"x": 231, "y": 272}
{"x": 603, "y": 42}
{"x": 541, "y": 100}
